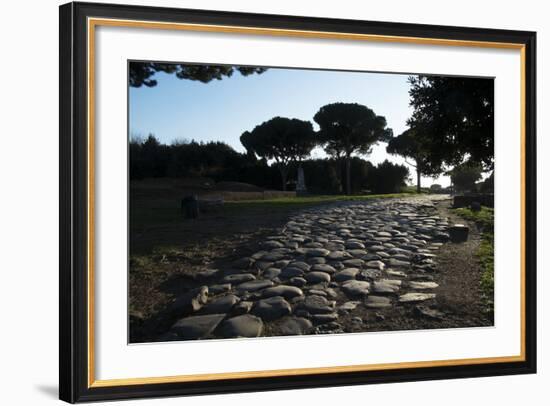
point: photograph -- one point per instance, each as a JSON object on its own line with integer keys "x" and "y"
{"x": 256, "y": 201}
{"x": 272, "y": 201}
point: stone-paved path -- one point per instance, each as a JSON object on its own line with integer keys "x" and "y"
{"x": 326, "y": 265}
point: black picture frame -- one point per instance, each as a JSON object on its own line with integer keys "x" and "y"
{"x": 74, "y": 199}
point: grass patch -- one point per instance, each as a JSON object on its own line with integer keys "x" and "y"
{"x": 160, "y": 225}
{"x": 486, "y": 255}
{"x": 299, "y": 201}
{"x": 484, "y": 219}
{"x": 412, "y": 189}
{"x": 166, "y": 211}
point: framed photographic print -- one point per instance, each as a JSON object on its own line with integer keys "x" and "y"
{"x": 255, "y": 202}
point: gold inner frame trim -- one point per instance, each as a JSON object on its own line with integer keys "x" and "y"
{"x": 94, "y": 22}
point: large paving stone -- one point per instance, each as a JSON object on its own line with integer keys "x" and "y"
{"x": 262, "y": 265}
{"x": 238, "y": 278}
{"x": 377, "y": 302}
{"x": 323, "y": 268}
{"x": 257, "y": 255}
{"x": 243, "y": 307}
{"x": 317, "y": 277}
{"x": 281, "y": 264}
{"x": 253, "y": 286}
{"x": 338, "y": 255}
{"x": 458, "y": 233}
{"x": 392, "y": 272}
{"x": 355, "y": 288}
{"x": 346, "y": 274}
{"x": 291, "y": 272}
{"x": 397, "y": 263}
{"x": 271, "y": 273}
{"x": 300, "y": 265}
{"x": 316, "y": 304}
{"x": 386, "y": 286}
{"x": 317, "y": 252}
{"x": 273, "y": 256}
{"x": 422, "y": 285}
{"x": 288, "y": 292}
{"x": 297, "y": 281}
{"x": 331, "y": 293}
{"x": 271, "y": 308}
{"x": 243, "y": 263}
{"x": 354, "y": 263}
{"x": 324, "y": 318}
{"x": 423, "y": 311}
{"x": 195, "y": 327}
{"x": 295, "y": 326}
{"x": 415, "y": 297}
{"x": 357, "y": 253}
{"x": 348, "y": 306}
{"x": 368, "y": 274}
{"x": 272, "y": 244}
{"x": 375, "y": 265}
{"x": 219, "y": 288}
{"x": 220, "y": 305}
{"x": 352, "y": 245}
{"x": 245, "y": 325}
{"x": 190, "y": 302}
{"x": 207, "y": 274}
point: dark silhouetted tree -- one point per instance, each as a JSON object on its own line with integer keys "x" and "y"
{"x": 190, "y": 159}
{"x": 282, "y": 139}
{"x": 455, "y": 116}
{"x": 142, "y": 73}
{"x": 148, "y": 158}
{"x": 488, "y": 185}
{"x": 411, "y": 145}
{"x": 348, "y": 128}
{"x": 465, "y": 176}
{"x": 387, "y": 177}
{"x": 328, "y": 182}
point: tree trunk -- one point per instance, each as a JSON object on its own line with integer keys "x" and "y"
{"x": 283, "y": 177}
{"x": 348, "y": 175}
{"x": 341, "y": 175}
{"x": 418, "y": 186}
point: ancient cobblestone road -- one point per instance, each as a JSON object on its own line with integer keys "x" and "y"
{"x": 327, "y": 264}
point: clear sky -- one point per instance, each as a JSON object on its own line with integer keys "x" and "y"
{"x": 222, "y": 110}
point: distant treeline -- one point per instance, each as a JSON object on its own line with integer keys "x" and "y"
{"x": 216, "y": 160}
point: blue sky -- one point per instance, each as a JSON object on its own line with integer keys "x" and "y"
{"x": 222, "y": 110}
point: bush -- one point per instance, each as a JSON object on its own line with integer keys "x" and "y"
{"x": 387, "y": 178}
{"x": 321, "y": 176}
{"x": 361, "y": 171}
{"x": 220, "y": 162}
{"x": 327, "y": 176}
{"x": 465, "y": 176}
{"x": 148, "y": 158}
{"x": 216, "y": 160}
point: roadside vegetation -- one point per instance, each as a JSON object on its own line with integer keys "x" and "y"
{"x": 245, "y": 211}
{"x": 301, "y": 201}
{"x": 160, "y": 223}
{"x": 484, "y": 219}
